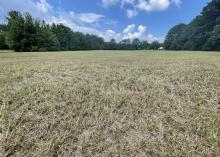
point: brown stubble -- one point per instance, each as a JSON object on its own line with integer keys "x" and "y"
{"x": 110, "y": 104}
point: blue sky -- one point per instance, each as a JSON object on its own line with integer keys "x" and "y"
{"x": 120, "y": 19}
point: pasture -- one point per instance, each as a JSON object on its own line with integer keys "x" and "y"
{"x": 110, "y": 103}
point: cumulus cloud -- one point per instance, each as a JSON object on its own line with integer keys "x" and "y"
{"x": 110, "y": 34}
{"x": 156, "y": 5}
{"x": 142, "y": 5}
{"x": 153, "y": 5}
{"x": 131, "y": 33}
{"x": 129, "y": 29}
{"x": 141, "y": 29}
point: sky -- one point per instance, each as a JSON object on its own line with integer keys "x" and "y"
{"x": 119, "y": 19}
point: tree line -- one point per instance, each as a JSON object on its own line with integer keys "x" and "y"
{"x": 24, "y": 33}
{"x": 203, "y": 33}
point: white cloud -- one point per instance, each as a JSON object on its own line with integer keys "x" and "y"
{"x": 141, "y": 29}
{"x": 131, "y": 13}
{"x": 75, "y": 21}
{"x": 153, "y": 5}
{"x": 90, "y": 17}
{"x": 142, "y": 5}
{"x": 110, "y": 34}
{"x": 108, "y": 3}
{"x": 156, "y": 5}
{"x": 130, "y": 33}
{"x": 43, "y": 6}
{"x": 129, "y": 29}
{"x": 75, "y": 18}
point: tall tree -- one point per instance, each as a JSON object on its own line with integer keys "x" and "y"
{"x": 66, "y": 38}
{"x": 125, "y": 44}
{"x": 176, "y": 38}
{"x": 136, "y": 44}
{"x": 29, "y": 40}
{"x": 112, "y": 45}
{"x": 213, "y": 42}
{"x": 144, "y": 45}
{"x": 3, "y": 30}
{"x": 15, "y": 32}
{"x": 46, "y": 39}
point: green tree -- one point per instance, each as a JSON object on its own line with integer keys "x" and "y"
{"x": 3, "y": 30}
{"x": 136, "y": 44}
{"x": 29, "y": 41}
{"x": 112, "y": 45}
{"x": 176, "y": 38}
{"x": 198, "y": 34}
{"x": 66, "y": 38}
{"x": 46, "y": 39}
{"x": 155, "y": 45}
{"x": 213, "y": 42}
{"x": 125, "y": 44}
{"x": 15, "y": 32}
{"x": 144, "y": 45}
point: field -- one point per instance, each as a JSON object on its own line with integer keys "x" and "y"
{"x": 106, "y": 103}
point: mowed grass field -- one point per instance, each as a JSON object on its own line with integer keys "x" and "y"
{"x": 110, "y": 103}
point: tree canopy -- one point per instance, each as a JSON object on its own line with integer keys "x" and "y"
{"x": 3, "y": 29}
{"x": 200, "y": 34}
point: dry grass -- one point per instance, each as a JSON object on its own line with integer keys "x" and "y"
{"x": 107, "y": 104}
